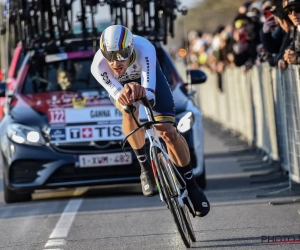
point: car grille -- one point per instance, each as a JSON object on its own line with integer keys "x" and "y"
{"x": 70, "y": 173}
{"x": 25, "y": 171}
{"x": 88, "y": 147}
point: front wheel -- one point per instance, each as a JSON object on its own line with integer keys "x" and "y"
{"x": 172, "y": 199}
{"x": 11, "y": 196}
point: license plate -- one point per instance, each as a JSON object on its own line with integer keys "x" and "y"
{"x": 100, "y": 160}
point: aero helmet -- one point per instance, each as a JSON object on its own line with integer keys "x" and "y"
{"x": 116, "y": 43}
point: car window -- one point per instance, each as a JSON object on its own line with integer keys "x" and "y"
{"x": 69, "y": 75}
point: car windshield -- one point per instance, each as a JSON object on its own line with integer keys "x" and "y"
{"x": 67, "y": 75}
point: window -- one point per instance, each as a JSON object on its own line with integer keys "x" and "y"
{"x": 69, "y": 75}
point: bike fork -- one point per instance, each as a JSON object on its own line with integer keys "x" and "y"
{"x": 156, "y": 180}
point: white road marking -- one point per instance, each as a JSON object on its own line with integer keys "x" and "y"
{"x": 64, "y": 224}
{"x": 55, "y": 242}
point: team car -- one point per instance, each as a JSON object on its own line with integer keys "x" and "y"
{"x": 60, "y": 128}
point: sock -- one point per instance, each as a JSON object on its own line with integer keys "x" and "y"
{"x": 187, "y": 173}
{"x": 142, "y": 158}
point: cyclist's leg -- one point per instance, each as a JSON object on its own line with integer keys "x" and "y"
{"x": 137, "y": 142}
{"x": 177, "y": 147}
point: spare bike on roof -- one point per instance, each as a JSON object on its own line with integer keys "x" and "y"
{"x": 38, "y": 23}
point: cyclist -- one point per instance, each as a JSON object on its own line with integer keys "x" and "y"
{"x": 127, "y": 67}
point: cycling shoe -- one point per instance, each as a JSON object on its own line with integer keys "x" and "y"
{"x": 148, "y": 184}
{"x": 199, "y": 201}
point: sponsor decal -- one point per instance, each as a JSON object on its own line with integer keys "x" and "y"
{"x": 58, "y": 134}
{"x": 135, "y": 75}
{"x": 87, "y": 133}
{"x": 148, "y": 67}
{"x": 107, "y": 80}
{"x": 135, "y": 72}
{"x": 74, "y": 133}
{"x": 56, "y": 116}
{"x": 106, "y": 113}
{"x": 79, "y": 102}
{"x": 100, "y": 113}
{"x": 114, "y": 131}
{"x": 123, "y": 77}
{"x": 109, "y": 83}
{"x": 103, "y": 132}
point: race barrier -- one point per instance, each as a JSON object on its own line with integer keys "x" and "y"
{"x": 262, "y": 107}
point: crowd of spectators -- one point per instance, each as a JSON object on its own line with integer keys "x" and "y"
{"x": 265, "y": 31}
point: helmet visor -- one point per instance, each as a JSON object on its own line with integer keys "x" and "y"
{"x": 119, "y": 55}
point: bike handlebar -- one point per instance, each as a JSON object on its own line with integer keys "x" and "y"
{"x": 130, "y": 109}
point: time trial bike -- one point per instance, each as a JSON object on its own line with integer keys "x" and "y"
{"x": 171, "y": 186}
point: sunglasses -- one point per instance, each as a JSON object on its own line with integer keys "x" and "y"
{"x": 289, "y": 11}
{"x": 119, "y": 55}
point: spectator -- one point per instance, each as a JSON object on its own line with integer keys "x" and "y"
{"x": 292, "y": 8}
{"x": 246, "y": 41}
{"x": 263, "y": 31}
{"x": 286, "y": 29}
{"x": 244, "y": 7}
{"x": 274, "y": 30}
{"x": 255, "y": 12}
{"x": 195, "y": 43}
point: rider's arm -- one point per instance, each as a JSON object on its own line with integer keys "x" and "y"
{"x": 103, "y": 74}
{"x": 148, "y": 63}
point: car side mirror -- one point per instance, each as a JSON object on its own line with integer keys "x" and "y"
{"x": 197, "y": 76}
{"x": 2, "y": 89}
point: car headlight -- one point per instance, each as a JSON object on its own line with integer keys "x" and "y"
{"x": 25, "y": 135}
{"x": 185, "y": 121}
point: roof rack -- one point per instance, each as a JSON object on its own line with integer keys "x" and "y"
{"x": 38, "y": 23}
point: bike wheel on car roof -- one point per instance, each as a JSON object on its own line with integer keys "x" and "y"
{"x": 171, "y": 200}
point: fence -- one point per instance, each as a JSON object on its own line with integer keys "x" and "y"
{"x": 262, "y": 106}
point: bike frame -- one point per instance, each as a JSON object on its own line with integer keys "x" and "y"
{"x": 154, "y": 141}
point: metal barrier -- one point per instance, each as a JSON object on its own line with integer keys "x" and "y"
{"x": 261, "y": 106}
{"x": 291, "y": 90}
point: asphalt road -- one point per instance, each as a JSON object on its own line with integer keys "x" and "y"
{"x": 121, "y": 218}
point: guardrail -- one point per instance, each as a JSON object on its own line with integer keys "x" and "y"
{"x": 261, "y": 106}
